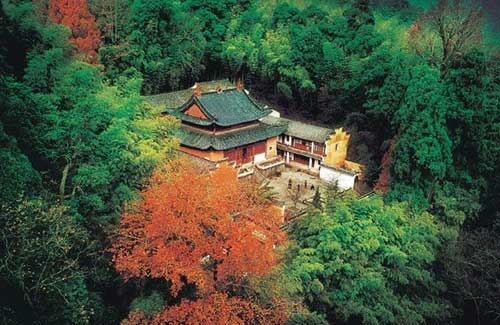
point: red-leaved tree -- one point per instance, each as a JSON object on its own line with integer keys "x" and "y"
{"x": 217, "y": 308}
{"x": 75, "y": 14}
{"x": 207, "y": 230}
{"x": 384, "y": 178}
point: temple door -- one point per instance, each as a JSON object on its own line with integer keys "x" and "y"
{"x": 244, "y": 155}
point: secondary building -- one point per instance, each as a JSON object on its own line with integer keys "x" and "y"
{"x": 318, "y": 149}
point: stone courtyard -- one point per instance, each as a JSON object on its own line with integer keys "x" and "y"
{"x": 292, "y": 187}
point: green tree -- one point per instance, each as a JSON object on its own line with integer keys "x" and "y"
{"x": 99, "y": 142}
{"x": 77, "y": 142}
{"x": 17, "y": 176}
{"x": 316, "y": 201}
{"x": 367, "y": 261}
{"x": 165, "y": 45}
{"x": 422, "y": 156}
{"x": 41, "y": 248}
{"x": 473, "y": 121}
{"x": 361, "y": 38}
{"x": 113, "y": 18}
{"x": 214, "y": 16}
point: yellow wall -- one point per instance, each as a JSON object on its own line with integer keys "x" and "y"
{"x": 336, "y": 148}
{"x": 271, "y": 145}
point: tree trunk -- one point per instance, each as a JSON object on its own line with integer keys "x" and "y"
{"x": 64, "y": 177}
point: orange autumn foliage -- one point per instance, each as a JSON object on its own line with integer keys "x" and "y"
{"x": 75, "y": 14}
{"x": 136, "y": 317}
{"x": 217, "y": 308}
{"x": 210, "y": 230}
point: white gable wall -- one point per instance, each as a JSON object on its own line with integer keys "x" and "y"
{"x": 259, "y": 157}
{"x": 344, "y": 180}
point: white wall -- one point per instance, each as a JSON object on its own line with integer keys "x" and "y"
{"x": 344, "y": 180}
{"x": 315, "y": 164}
{"x": 259, "y": 157}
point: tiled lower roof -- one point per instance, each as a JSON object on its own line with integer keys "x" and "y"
{"x": 191, "y": 137}
{"x": 299, "y": 129}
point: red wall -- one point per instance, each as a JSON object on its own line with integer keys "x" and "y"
{"x": 195, "y": 111}
{"x": 236, "y": 154}
{"x": 301, "y": 159}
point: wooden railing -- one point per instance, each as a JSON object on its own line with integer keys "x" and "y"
{"x": 302, "y": 146}
{"x": 319, "y": 151}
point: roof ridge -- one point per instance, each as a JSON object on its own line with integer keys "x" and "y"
{"x": 215, "y": 91}
{"x": 313, "y": 124}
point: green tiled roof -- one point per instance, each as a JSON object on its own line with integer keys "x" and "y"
{"x": 230, "y": 107}
{"x": 224, "y": 108}
{"x": 300, "y": 130}
{"x": 201, "y": 140}
{"x": 179, "y": 97}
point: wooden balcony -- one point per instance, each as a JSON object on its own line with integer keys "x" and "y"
{"x": 295, "y": 149}
{"x": 319, "y": 151}
{"x": 305, "y": 147}
{"x": 301, "y": 146}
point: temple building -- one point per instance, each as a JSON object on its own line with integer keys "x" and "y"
{"x": 223, "y": 125}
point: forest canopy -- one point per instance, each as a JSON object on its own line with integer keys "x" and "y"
{"x": 92, "y": 187}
